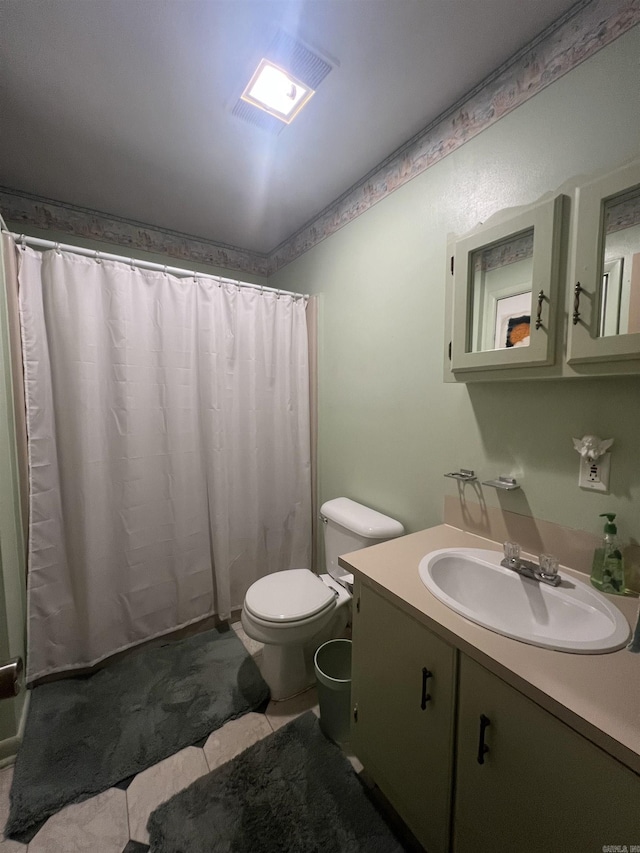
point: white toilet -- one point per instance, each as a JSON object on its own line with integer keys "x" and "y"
{"x": 294, "y": 611}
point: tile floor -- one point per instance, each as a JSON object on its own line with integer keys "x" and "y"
{"x": 115, "y": 821}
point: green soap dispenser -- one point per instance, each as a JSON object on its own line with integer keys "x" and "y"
{"x": 607, "y": 571}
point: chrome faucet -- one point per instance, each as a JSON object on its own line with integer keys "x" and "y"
{"x": 546, "y": 572}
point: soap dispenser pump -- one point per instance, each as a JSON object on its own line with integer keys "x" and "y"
{"x": 607, "y": 571}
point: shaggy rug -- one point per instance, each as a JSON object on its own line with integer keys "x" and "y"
{"x": 86, "y": 734}
{"x": 293, "y": 792}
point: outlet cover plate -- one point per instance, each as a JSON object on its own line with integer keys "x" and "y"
{"x": 594, "y": 476}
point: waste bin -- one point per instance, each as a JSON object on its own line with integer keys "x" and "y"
{"x": 332, "y": 662}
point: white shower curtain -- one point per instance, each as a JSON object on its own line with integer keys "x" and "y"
{"x": 168, "y": 424}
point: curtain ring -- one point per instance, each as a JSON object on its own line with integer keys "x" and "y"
{"x": 23, "y": 241}
{"x": 57, "y": 248}
{"x": 97, "y": 258}
{"x": 277, "y": 294}
{"x": 165, "y": 271}
{"x": 131, "y": 264}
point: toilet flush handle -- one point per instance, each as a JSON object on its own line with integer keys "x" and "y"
{"x": 10, "y": 678}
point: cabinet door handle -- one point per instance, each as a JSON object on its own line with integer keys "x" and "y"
{"x": 426, "y": 675}
{"x": 577, "y": 290}
{"x": 539, "y": 313}
{"x": 485, "y": 722}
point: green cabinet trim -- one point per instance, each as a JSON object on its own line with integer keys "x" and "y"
{"x": 584, "y": 342}
{"x": 575, "y": 254}
{"x": 545, "y": 220}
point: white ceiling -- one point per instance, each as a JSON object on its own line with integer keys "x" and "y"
{"x": 123, "y": 106}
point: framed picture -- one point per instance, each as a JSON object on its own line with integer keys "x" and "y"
{"x": 513, "y": 321}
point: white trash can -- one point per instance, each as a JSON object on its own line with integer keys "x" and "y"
{"x": 332, "y": 662}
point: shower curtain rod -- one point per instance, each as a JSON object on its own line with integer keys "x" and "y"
{"x": 39, "y": 243}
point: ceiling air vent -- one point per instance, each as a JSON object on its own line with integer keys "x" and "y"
{"x": 247, "y": 112}
{"x": 295, "y": 59}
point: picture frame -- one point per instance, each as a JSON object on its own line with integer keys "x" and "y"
{"x": 513, "y": 321}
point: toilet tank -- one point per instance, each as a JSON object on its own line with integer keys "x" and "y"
{"x": 349, "y": 526}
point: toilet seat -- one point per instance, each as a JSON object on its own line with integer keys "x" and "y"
{"x": 289, "y": 596}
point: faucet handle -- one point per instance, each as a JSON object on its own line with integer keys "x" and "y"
{"x": 549, "y": 566}
{"x": 511, "y": 551}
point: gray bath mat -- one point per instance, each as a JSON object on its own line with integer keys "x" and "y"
{"x": 294, "y": 792}
{"x": 84, "y": 735}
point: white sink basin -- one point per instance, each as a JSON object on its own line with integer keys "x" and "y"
{"x": 572, "y": 617}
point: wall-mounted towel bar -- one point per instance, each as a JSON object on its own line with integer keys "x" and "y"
{"x": 506, "y": 483}
{"x": 464, "y": 475}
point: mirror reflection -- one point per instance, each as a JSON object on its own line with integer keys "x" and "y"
{"x": 620, "y": 283}
{"x": 501, "y": 279}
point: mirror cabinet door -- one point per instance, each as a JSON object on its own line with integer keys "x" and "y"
{"x": 506, "y": 281}
{"x": 605, "y": 272}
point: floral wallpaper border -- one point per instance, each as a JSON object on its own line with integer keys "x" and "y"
{"x": 582, "y": 32}
{"x": 622, "y": 215}
{"x": 505, "y": 253}
{"x": 81, "y": 222}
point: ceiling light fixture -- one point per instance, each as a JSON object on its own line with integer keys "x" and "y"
{"x": 277, "y": 92}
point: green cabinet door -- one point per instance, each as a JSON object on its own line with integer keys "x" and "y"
{"x": 540, "y": 786}
{"x": 605, "y": 270}
{"x": 403, "y": 696}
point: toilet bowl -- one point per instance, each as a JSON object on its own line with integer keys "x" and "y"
{"x": 294, "y": 611}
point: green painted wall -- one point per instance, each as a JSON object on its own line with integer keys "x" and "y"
{"x": 389, "y": 428}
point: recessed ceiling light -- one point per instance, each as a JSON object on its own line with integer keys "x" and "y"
{"x": 277, "y": 92}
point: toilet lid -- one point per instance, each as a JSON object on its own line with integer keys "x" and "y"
{"x": 288, "y": 596}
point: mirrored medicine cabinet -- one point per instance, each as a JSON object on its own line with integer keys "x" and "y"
{"x": 604, "y": 324}
{"x": 533, "y": 297}
{"x": 505, "y": 301}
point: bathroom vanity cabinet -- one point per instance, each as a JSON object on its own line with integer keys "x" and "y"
{"x": 549, "y": 291}
{"x": 540, "y": 786}
{"x": 469, "y": 762}
{"x": 403, "y": 690}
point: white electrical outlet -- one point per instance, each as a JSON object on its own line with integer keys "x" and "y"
{"x": 594, "y": 476}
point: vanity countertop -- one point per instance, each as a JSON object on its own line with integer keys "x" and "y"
{"x": 596, "y": 694}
